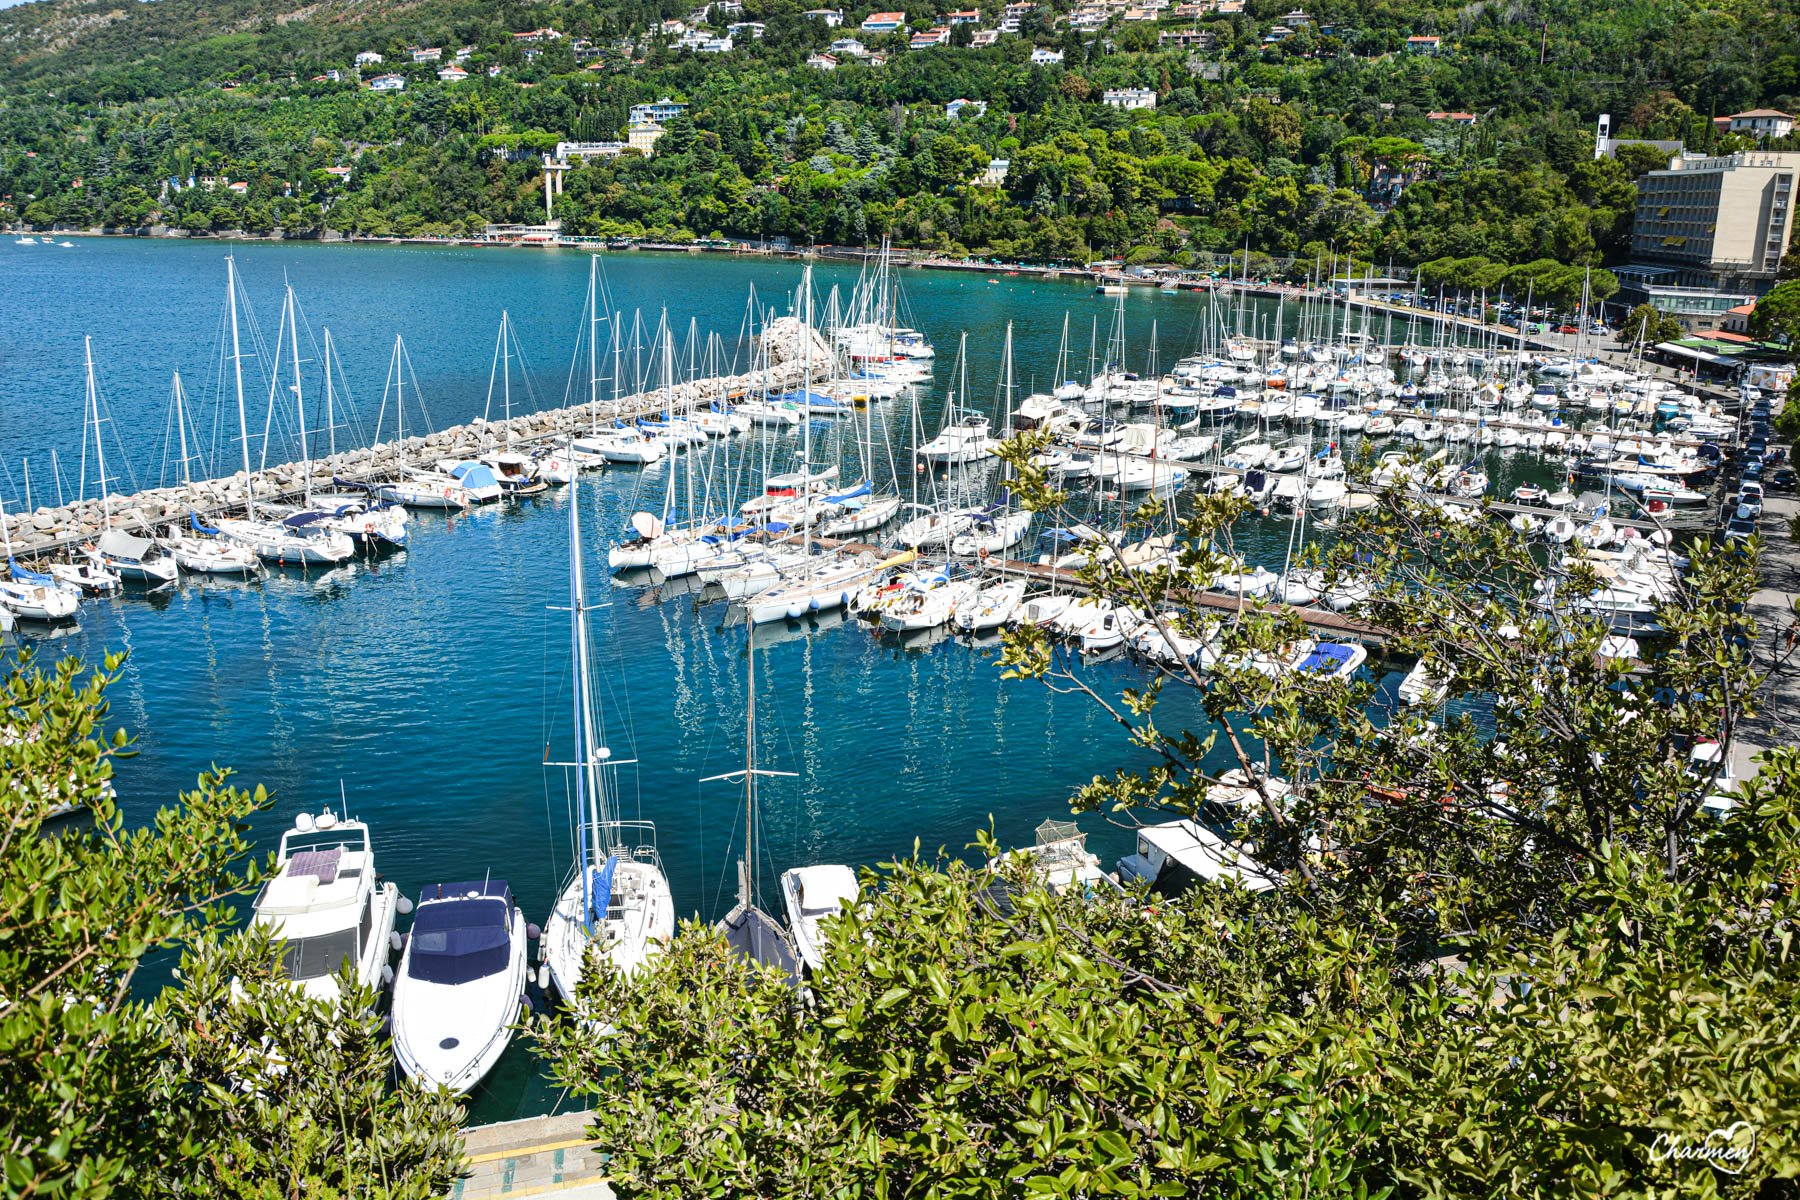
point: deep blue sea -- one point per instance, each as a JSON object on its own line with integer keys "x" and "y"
{"x": 428, "y": 688}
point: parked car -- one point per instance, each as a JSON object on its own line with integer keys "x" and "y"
{"x": 1740, "y": 529}
{"x": 1781, "y": 480}
{"x": 1750, "y": 500}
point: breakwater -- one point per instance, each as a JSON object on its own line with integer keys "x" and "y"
{"x": 50, "y": 531}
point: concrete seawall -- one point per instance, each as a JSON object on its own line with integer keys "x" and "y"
{"x": 55, "y": 531}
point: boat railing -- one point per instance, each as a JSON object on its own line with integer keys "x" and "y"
{"x": 622, "y": 834}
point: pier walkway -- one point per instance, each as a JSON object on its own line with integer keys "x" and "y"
{"x": 537, "y": 1156}
{"x": 1778, "y": 722}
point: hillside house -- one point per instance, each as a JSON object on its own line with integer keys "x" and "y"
{"x": 883, "y": 22}
{"x": 1130, "y": 99}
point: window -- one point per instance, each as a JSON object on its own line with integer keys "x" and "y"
{"x": 368, "y": 921}
{"x": 317, "y": 957}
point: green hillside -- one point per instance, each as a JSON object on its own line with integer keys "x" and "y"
{"x": 1289, "y": 146}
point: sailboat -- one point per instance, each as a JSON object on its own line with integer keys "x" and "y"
{"x": 414, "y": 487}
{"x": 300, "y": 539}
{"x": 115, "y": 551}
{"x": 202, "y": 555}
{"x": 998, "y": 527}
{"x": 32, "y": 595}
{"x": 616, "y": 902}
{"x": 751, "y": 933}
{"x": 516, "y": 474}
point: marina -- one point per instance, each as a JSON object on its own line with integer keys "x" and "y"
{"x": 420, "y": 683}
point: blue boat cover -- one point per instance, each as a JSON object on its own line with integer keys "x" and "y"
{"x": 475, "y": 475}
{"x": 23, "y": 575}
{"x": 861, "y": 489}
{"x": 805, "y": 397}
{"x": 301, "y": 520}
{"x": 199, "y": 525}
{"x": 461, "y": 940}
{"x": 1327, "y": 658}
{"x": 600, "y": 889}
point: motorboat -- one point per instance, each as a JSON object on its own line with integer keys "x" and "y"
{"x": 460, "y": 984}
{"x": 326, "y": 905}
{"x": 131, "y": 557}
{"x": 1174, "y": 856}
{"x": 964, "y": 442}
{"x": 1328, "y": 660}
{"x": 1421, "y": 688}
{"x": 811, "y": 896}
{"x": 87, "y": 577}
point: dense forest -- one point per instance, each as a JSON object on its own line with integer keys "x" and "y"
{"x": 1321, "y": 142}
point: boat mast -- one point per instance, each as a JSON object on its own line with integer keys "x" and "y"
{"x": 330, "y": 417}
{"x": 806, "y": 410}
{"x": 93, "y": 398}
{"x": 578, "y": 696}
{"x": 181, "y": 432}
{"x": 747, "y": 865}
{"x": 593, "y": 321}
{"x": 299, "y": 400}
{"x": 237, "y": 366}
{"x": 506, "y": 370}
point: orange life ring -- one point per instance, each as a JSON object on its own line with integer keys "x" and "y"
{"x": 368, "y": 529}
{"x": 982, "y": 553}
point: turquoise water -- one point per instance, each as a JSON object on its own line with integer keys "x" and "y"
{"x": 428, "y": 687}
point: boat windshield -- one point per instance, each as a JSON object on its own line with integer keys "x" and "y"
{"x": 316, "y": 957}
{"x": 458, "y": 941}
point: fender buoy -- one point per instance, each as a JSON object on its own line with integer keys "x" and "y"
{"x": 982, "y": 553}
{"x": 368, "y": 529}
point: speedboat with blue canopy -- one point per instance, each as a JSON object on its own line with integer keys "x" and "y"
{"x": 461, "y": 982}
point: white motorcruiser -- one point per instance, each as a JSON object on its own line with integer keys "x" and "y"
{"x": 326, "y": 905}
{"x": 460, "y": 984}
{"x": 813, "y": 895}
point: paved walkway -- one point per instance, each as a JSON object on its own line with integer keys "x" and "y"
{"x": 538, "y": 1156}
{"x": 1778, "y": 724}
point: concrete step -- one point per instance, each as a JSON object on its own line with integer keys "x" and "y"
{"x": 538, "y": 1156}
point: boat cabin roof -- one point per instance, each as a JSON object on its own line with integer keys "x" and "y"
{"x": 1203, "y": 853}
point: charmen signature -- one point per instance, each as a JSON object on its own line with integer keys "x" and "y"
{"x": 1727, "y": 1149}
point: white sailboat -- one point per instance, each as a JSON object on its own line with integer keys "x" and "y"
{"x": 298, "y": 540}
{"x": 201, "y": 555}
{"x": 114, "y": 551}
{"x": 414, "y": 487}
{"x": 616, "y": 903}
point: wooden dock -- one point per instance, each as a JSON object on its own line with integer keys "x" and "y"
{"x": 537, "y": 1156}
